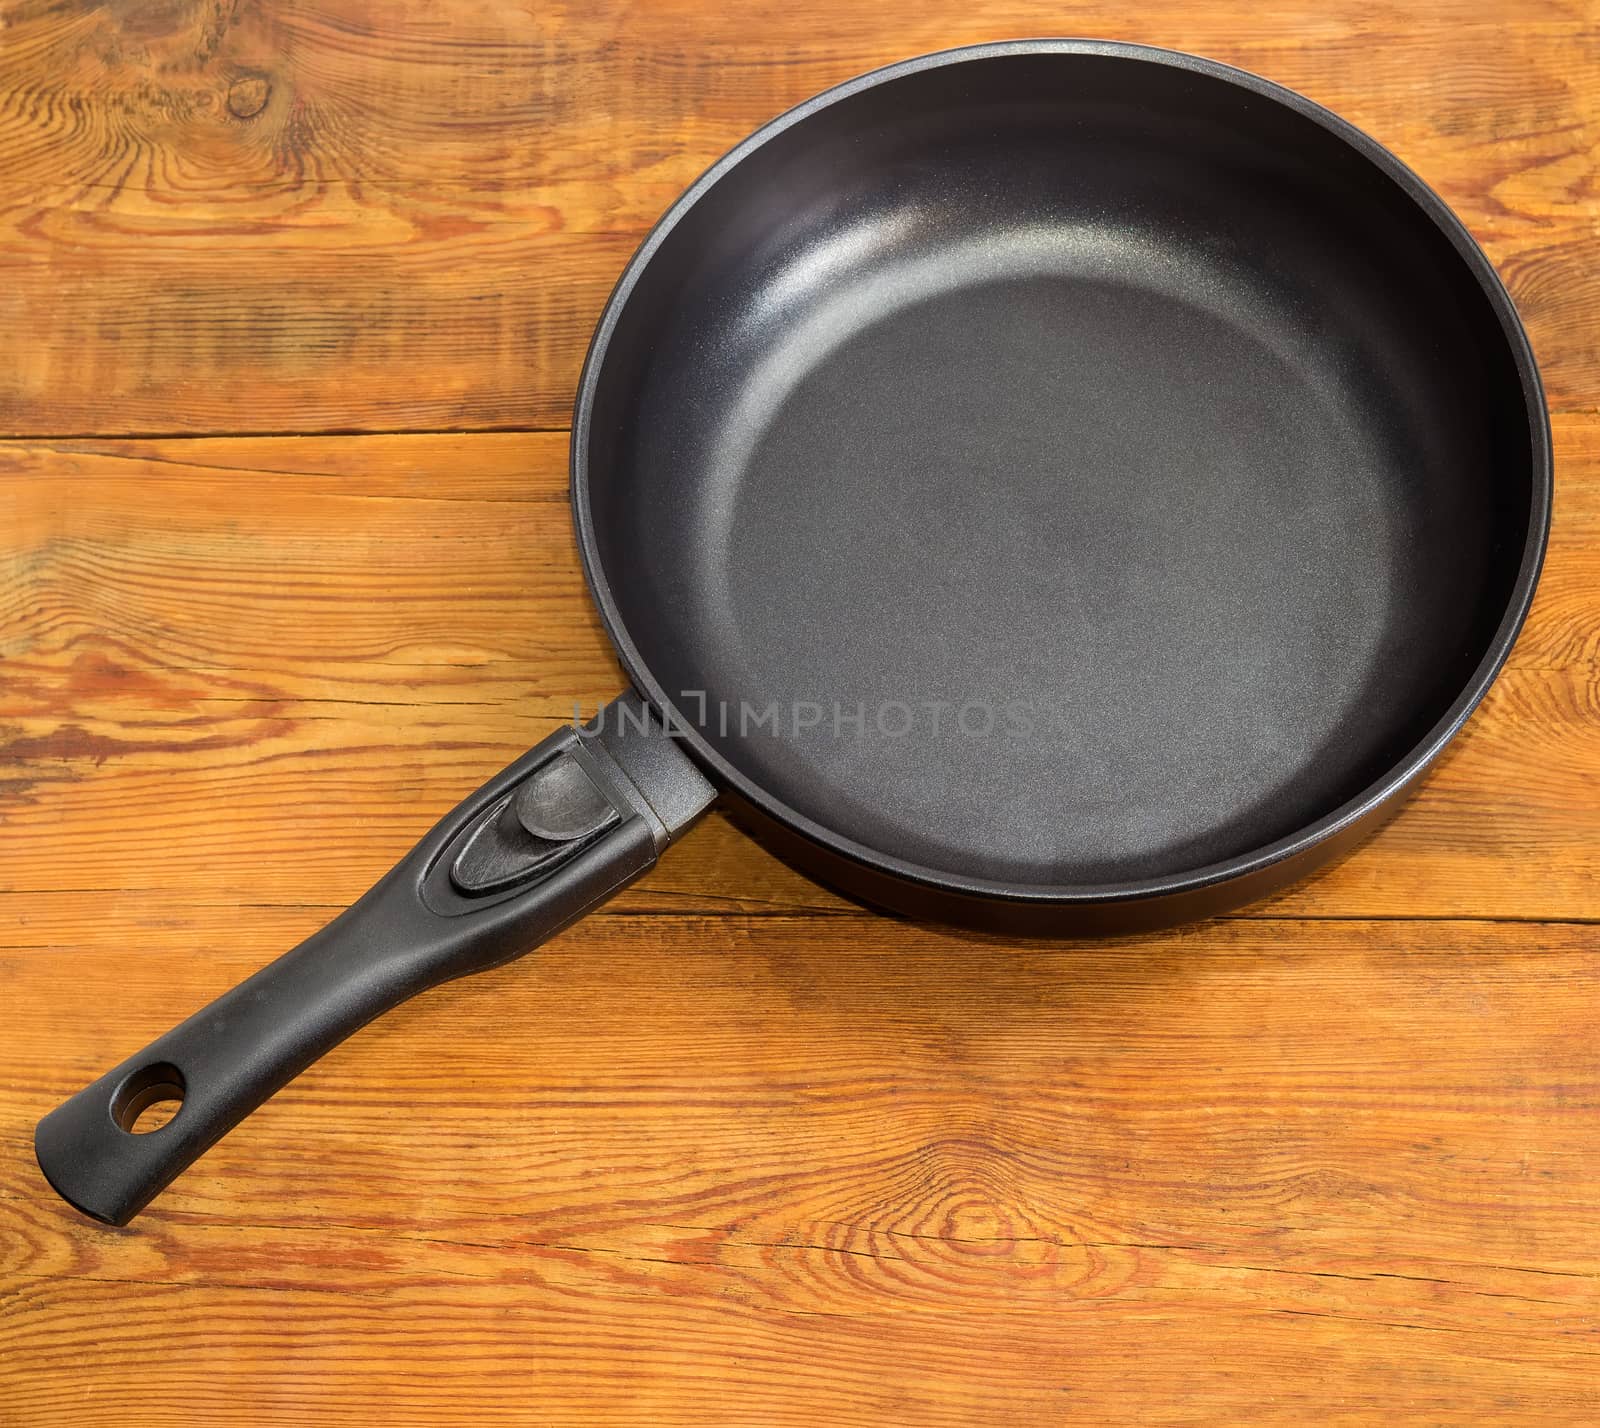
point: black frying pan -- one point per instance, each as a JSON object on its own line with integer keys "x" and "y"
{"x": 1046, "y": 486}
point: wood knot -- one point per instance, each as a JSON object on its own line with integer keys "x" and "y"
{"x": 248, "y": 95}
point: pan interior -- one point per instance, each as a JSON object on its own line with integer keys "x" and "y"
{"x": 1058, "y": 469}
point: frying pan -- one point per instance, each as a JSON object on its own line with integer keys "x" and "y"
{"x": 1048, "y": 486}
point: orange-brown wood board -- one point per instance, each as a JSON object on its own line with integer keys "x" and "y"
{"x": 735, "y": 1151}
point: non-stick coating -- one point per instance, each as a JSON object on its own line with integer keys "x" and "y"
{"x": 1132, "y": 430}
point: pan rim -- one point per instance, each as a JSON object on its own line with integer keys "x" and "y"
{"x": 1392, "y": 785}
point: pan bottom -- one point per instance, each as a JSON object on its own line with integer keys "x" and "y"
{"x": 1060, "y": 577}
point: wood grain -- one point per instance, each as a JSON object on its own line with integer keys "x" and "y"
{"x": 775, "y": 1170}
{"x": 735, "y": 1152}
{"x": 200, "y": 634}
{"x": 279, "y": 215}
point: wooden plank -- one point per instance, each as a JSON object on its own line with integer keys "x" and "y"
{"x": 377, "y": 214}
{"x": 777, "y": 1170}
{"x": 255, "y": 670}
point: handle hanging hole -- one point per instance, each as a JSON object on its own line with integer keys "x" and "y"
{"x": 148, "y": 1099}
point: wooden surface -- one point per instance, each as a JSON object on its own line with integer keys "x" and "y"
{"x": 734, "y": 1152}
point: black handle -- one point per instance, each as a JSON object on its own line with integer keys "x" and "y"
{"x": 539, "y": 845}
